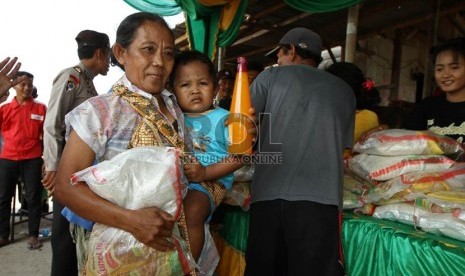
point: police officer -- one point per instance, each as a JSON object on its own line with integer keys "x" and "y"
{"x": 70, "y": 88}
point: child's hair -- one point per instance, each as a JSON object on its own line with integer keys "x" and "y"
{"x": 366, "y": 95}
{"x": 456, "y": 45}
{"x": 186, "y": 57}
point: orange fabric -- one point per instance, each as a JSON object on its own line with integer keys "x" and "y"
{"x": 228, "y": 13}
{"x": 232, "y": 261}
{"x": 211, "y": 3}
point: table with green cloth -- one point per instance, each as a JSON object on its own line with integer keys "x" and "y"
{"x": 371, "y": 247}
{"x": 381, "y": 247}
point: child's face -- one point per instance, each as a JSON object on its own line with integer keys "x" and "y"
{"x": 449, "y": 71}
{"x": 193, "y": 87}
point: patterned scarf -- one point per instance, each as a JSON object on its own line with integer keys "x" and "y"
{"x": 147, "y": 133}
{"x": 148, "y": 130}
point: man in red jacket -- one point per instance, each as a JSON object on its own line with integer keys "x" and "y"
{"x": 21, "y": 125}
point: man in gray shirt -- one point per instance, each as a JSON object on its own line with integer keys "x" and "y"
{"x": 307, "y": 117}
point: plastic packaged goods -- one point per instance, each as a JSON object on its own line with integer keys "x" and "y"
{"x": 137, "y": 178}
{"x": 382, "y": 168}
{"x": 394, "y": 142}
{"x": 403, "y": 212}
{"x": 445, "y": 224}
{"x": 240, "y": 141}
{"x": 418, "y": 184}
{"x": 239, "y": 195}
{"x": 350, "y": 200}
{"x": 356, "y": 186}
{"x": 448, "y": 199}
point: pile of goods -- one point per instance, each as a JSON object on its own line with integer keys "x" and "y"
{"x": 414, "y": 177}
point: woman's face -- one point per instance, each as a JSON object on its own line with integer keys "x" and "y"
{"x": 149, "y": 59}
{"x": 449, "y": 71}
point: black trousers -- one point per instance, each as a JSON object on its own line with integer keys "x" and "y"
{"x": 30, "y": 170}
{"x": 64, "y": 259}
{"x": 293, "y": 238}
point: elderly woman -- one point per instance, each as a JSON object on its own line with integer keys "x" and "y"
{"x": 109, "y": 124}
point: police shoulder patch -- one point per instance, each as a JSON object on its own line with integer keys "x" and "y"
{"x": 72, "y": 83}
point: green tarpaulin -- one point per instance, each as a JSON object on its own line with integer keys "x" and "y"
{"x": 215, "y": 23}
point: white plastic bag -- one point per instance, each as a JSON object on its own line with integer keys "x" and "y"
{"x": 381, "y": 168}
{"x": 394, "y": 142}
{"x": 137, "y": 178}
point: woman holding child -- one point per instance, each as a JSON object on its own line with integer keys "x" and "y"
{"x": 137, "y": 112}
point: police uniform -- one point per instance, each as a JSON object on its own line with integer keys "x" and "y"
{"x": 71, "y": 87}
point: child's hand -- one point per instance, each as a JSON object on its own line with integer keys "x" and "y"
{"x": 194, "y": 171}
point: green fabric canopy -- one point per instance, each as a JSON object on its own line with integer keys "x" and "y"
{"x": 161, "y": 7}
{"x": 203, "y": 21}
{"x": 320, "y": 6}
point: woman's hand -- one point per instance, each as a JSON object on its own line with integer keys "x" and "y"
{"x": 152, "y": 227}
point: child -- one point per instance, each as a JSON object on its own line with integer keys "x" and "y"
{"x": 444, "y": 114}
{"x": 193, "y": 82}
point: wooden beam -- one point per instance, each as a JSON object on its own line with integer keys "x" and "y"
{"x": 396, "y": 65}
{"x": 180, "y": 39}
{"x": 351, "y": 33}
{"x": 432, "y": 39}
{"x": 457, "y": 24}
{"x": 418, "y": 20}
{"x": 264, "y": 31}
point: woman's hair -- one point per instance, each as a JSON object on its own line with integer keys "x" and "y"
{"x": 186, "y": 57}
{"x": 128, "y": 28}
{"x": 456, "y": 45}
{"x": 366, "y": 95}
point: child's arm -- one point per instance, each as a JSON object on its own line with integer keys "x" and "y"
{"x": 195, "y": 172}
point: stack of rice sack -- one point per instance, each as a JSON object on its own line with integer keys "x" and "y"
{"x": 414, "y": 177}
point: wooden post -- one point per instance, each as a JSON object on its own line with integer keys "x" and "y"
{"x": 220, "y": 58}
{"x": 396, "y": 62}
{"x": 351, "y": 33}
{"x": 432, "y": 40}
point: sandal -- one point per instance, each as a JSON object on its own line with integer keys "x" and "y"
{"x": 34, "y": 243}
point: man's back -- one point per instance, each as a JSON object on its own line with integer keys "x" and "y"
{"x": 309, "y": 119}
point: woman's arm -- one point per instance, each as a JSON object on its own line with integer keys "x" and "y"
{"x": 150, "y": 226}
